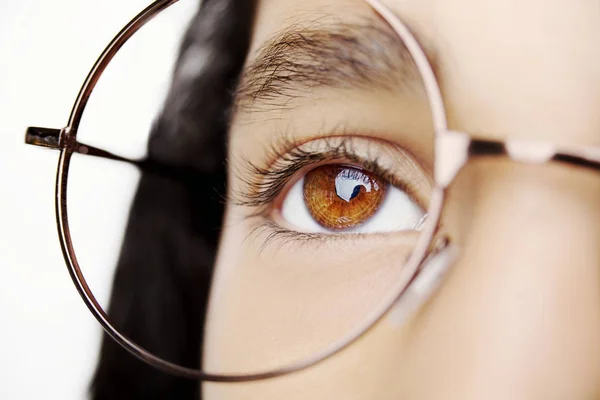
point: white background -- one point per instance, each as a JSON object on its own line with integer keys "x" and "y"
{"x": 48, "y": 339}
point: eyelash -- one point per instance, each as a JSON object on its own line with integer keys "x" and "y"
{"x": 264, "y": 185}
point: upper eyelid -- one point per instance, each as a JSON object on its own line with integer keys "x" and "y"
{"x": 261, "y": 192}
{"x": 262, "y": 185}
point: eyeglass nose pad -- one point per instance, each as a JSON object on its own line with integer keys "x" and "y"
{"x": 428, "y": 279}
{"x": 451, "y": 154}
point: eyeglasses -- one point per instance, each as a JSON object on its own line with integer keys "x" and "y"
{"x": 452, "y": 150}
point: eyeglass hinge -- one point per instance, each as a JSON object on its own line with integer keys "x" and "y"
{"x": 44, "y": 137}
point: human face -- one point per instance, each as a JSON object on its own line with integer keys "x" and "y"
{"x": 517, "y": 316}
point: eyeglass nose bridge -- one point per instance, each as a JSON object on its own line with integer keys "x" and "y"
{"x": 454, "y": 149}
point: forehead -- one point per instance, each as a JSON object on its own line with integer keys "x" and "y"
{"x": 507, "y": 68}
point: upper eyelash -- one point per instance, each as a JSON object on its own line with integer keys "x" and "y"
{"x": 263, "y": 185}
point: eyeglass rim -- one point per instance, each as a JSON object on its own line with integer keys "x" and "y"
{"x": 453, "y": 150}
{"x": 69, "y": 145}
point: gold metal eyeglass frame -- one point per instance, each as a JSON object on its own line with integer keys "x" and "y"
{"x": 452, "y": 151}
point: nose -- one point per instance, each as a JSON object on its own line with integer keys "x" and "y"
{"x": 518, "y": 314}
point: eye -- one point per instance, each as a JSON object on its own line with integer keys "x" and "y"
{"x": 347, "y": 199}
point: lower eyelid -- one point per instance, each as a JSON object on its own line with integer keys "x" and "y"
{"x": 268, "y": 233}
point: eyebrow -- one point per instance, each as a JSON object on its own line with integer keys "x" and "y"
{"x": 365, "y": 55}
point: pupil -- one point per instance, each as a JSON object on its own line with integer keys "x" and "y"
{"x": 355, "y": 192}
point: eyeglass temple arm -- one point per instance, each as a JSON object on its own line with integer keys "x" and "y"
{"x": 587, "y": 157}
{"x": 50, "y": 138}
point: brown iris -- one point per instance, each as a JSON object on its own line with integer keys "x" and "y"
{"x": 341, "y": 197}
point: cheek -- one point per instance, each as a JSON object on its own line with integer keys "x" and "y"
{"x": 287, "y": 301}
{"x": 369, "y": 369}
{"x": 283, "y": 301}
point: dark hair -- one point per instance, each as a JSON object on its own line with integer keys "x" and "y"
{"x": 163, "y": 274}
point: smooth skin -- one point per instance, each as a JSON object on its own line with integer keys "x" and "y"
{"x": 518, "y": 315}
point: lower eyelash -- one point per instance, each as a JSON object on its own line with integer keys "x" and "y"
{"x": 270, "y": 233}
{"x": 273, "y": 234}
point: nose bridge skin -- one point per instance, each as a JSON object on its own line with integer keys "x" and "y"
{"x": 518, "y": 315}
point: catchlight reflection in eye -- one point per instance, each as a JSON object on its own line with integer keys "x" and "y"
{"x": 345, "y": 199}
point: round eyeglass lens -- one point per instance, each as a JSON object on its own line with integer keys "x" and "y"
{"x": 335, "y": 250}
